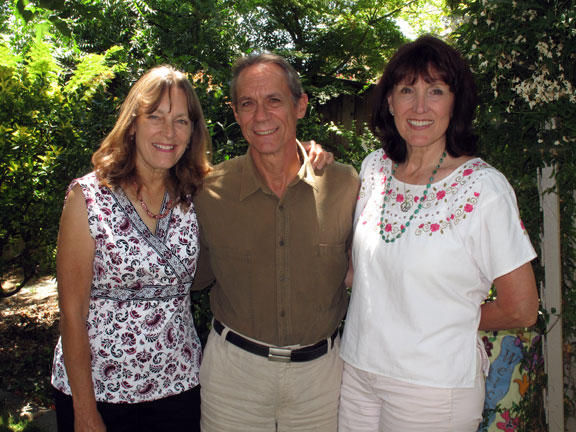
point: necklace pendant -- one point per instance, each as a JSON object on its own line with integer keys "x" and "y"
{"x": 405, "y": 206}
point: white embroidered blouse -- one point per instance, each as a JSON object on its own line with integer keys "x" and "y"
{"x": 415, "y": 306}
{"x": 140, "y": 325}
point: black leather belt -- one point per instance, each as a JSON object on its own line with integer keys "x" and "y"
{"x": 285, "y": 355}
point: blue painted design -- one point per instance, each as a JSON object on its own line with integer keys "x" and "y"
{"x": 500, "y": 375}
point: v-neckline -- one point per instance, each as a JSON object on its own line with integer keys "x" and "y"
{"x": 161, "y": 224}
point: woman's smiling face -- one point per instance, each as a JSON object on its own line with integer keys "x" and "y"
{"x": 422, "y": 111}
{"x": 162, "y": 135}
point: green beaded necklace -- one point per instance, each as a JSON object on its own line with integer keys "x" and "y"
{"x": 416, "y": 211}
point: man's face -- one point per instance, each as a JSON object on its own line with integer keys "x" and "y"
{"x": 265, "y": 109}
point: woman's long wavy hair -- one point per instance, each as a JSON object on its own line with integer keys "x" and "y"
{"x": 115, "y": 160}
{"x": 431, "y": 59}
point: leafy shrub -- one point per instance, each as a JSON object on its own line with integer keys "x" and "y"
{"x": 47, "y": 132}
{"x": 523, "y": 55}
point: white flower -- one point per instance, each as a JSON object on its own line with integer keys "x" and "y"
{"x": 520, "y": 39}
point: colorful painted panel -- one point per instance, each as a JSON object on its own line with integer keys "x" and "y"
{"x": 507, "y": 381}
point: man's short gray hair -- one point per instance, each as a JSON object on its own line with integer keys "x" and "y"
{"x": 292, "y": 78}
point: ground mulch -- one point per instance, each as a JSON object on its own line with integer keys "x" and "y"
{"x": 28, "y": 334}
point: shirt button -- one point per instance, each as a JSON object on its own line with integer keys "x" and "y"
{"x": 281, "y": 207}
{"x": 282, "y": 313}
{"x": 281, "y": 242}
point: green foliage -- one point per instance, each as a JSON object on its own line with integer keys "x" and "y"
{"x": 523, "y": 55}
{"x": 41, "y": 115}
{"x": 358, "y": 146}
{"x": 92, "y": 74}
{"x": 426, "y": 17}
{"x": 10, "y": 422}
{"x": 40, "y": 63}
{"x": 325, "y": 39}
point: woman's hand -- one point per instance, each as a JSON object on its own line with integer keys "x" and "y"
{"x": 88, "y": 420}
{"x": 317, "y": 155}
{"x": 349, "y": 279}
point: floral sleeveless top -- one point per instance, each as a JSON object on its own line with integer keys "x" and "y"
{"x": 140, "y": 325}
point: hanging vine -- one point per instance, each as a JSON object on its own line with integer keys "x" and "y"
{"x": 523, "y": 54}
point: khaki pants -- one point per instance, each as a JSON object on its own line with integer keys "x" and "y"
{"x": 245, "y": 392}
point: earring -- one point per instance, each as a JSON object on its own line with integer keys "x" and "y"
{"x": 391, "y": 112}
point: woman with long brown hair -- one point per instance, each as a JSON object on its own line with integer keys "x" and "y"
{"x": 128, "y": 356}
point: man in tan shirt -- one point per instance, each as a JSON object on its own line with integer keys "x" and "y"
{"x": 274, "y": 235}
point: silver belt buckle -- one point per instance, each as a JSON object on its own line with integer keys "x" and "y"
{"x": 279, "y": 354}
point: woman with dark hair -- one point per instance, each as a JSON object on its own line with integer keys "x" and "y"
{"x": 128, "y": 356}
{"x": 435, "y": 228}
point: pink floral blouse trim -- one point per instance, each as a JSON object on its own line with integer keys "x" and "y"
{"x": 459, "y": 192}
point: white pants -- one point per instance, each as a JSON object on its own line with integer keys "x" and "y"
{"x": 371, "y": 403}
{"x": 245, "y": 392}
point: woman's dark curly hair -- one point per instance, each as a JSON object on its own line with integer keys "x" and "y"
{"x": 431, "y": 59}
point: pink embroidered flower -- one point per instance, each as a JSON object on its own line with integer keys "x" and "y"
{"x": 468, "y": 208}
{"x": 388, "y": 228}
{"x": 399, "y": 198}
{"x": 420, "y": 226}
{"x": 434, "y": 227}
{"x": 467, "y": 172}
{"x": 454, "y": 184}
{"x": 476, "y": 194}
{"x": 416, "y": 199}
{"x": 441, "y": 194}
{"x": 510, "y": 425}
{"x": 452, "y": 216}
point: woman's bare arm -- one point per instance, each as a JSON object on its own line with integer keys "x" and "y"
{"x": 74, "y": 265}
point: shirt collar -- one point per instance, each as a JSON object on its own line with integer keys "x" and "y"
{"x": 252, "y": 180}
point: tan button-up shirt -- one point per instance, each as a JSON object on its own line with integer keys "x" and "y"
{"x": 279, "y": 263}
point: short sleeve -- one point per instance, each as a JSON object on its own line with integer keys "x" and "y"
{"x": 370, "y": 166}
{"x": 494, "y": 234}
